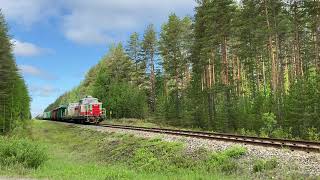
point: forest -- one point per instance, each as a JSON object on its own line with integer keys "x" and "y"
{"x": 14, "y": 97}
{"x": 249, "y": 67}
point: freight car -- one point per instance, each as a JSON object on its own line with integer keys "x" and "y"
{"x": 88, "y": 110}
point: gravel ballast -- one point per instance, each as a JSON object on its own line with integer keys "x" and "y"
{"x": 297, "y": 161}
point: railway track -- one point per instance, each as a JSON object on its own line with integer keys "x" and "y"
{"x": 308, "y": 146}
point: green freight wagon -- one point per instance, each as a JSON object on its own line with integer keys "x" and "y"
{"x": 61, "y": 113}
{"x": 47, "y": 115}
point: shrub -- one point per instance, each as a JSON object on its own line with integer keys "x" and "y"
{"x": 21, "y": 151}
{"x": 265, "y": 165}
{"x": 281, "y": 133}
{"x": 235, "y": 151}
{"x": 313, "y": 134}
{"x": 263, "y": 133}
{"x": 158, "y": 156}
{"x": 224, "y": 160}
{"x": 229, "y": 167}
{"x": 247, "y": 132}
{"x": 270, "y": 122}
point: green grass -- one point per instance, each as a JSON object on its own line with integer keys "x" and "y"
{"x": 77, "y": 153}
{"x": 263, "y": 165}
{"x": 21, "y": 152}
{"x": 133, "y": 122}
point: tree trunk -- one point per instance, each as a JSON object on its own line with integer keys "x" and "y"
{"x": 210, "y": 109}
{"x": 296, "y": 46}
{"x": 264, "y": 78}
{"x": 287, "y": 79}
{"x": 211, "y": 91}
{"x": 165, "y": 87}
{"x": 239, "y": 76}
{"x": 153, "y": 85}
{"x": 317, "y": 41}
{"x": 272, "y": 51}
{"x": 177, "y": 92}
{"x": 225, "y": 62}
{"x": 317, "y": 50}
{"x": 234, "y": 74}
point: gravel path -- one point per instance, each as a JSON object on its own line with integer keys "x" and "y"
{"x": 297, "y": 161}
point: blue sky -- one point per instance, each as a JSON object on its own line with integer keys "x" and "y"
{"x": 57, "y": 41}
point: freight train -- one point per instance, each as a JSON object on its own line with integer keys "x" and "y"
{"x": 87, "y": 110}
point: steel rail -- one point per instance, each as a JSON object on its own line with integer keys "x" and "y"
{"x": 308, "y": 146}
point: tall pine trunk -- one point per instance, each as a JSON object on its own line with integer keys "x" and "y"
{"x": 225, "y": 62}
{"x": 239, "y": 76}
{"x": 296, "y": 44}
{"x": 177, "y": 100}
{"x": 153, "y": 85}
{"x": 317, "y": 42}
{"x": 272, "y": 51}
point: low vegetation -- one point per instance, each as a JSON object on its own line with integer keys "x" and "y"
{"x": 58, "y": 151}
{"x": 22, "y": 152}
{"x": 158, "y": 156}
{"x": 263, "y": 165}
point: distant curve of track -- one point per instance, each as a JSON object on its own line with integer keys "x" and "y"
{"x": 308, "y": 146}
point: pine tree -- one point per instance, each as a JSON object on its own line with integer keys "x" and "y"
{"x": 174, "y": 51}
{"x": 133, "y": 51}
{"x": 149, "y": 49}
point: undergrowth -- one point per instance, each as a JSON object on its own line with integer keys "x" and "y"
{"x": 265, "y": 164}
{"x": 21, "y": 152}
{"x": 79, "y": 153}
{"x": 158, "y": 156}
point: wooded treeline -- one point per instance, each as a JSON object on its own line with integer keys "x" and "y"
{"x": 14, "y": 97}
{"x": 251, "y": 67}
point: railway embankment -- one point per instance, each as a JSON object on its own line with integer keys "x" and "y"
{"x": 91, "y": 152}
{"x": 297, "y": 161}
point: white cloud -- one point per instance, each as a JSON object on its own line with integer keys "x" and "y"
{"x": 31, "y": 70}
{"x": 43, "y": 91}
{"x": 36, "y": 72}
{"x": 96, "y": 21}
{"x": 100, "y": 21}
{"x": 28, "y": 12}
{"x": 27, "y": 49}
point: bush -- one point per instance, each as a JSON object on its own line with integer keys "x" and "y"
{"x": 224, "y": 160}
{"x": 270, "y": 122}
{"x": 281, "y": 133}
{"x": 235, "y": 152}
{"x": 247, "y": 132}
{"x": 264, "y": 165}
{"x": 158, "y": 156}
{"x": 313, "y": 134}
{"x": 229, "y": 167}
{"x": 21, "y": 152}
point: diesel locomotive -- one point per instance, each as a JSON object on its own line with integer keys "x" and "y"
{"x": 87, "y": 110}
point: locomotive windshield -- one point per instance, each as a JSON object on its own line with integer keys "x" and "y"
{"x": 89, "y": 100}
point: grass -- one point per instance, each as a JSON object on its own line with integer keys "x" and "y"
{"x": 263, "y": 165}
{"x": 77, "y": 153}
{"x": 22, "y": 152}
{"x": 134, "y": 122}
